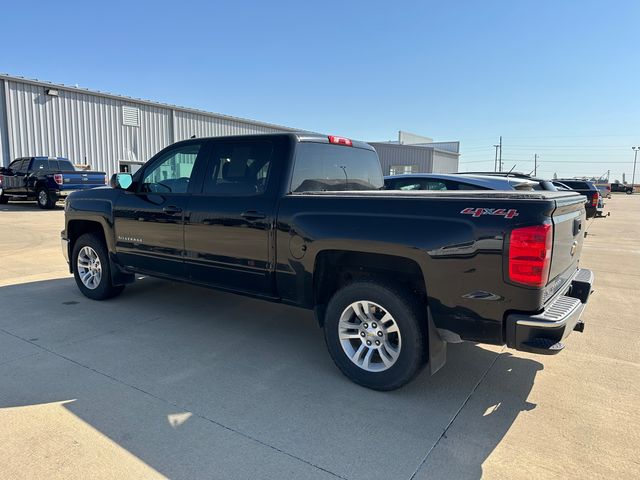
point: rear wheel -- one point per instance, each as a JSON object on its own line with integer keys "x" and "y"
{"x": 3, "y": 198}
{"x": 45, "y": 198}
{"x": 374, "y": 333}
{"x": 92, "y": 270}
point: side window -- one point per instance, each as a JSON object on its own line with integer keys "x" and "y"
{"x": 408, "y": 185}
{"x": 20, "y": 166}
{"x": 238, "y": 168}
{"x": 464, "y": 186}
{"x": 15, "y": 165}
{"x": 172, "y": 172}
{"x": 419, "y": 184}
{"x": 40, "y": 165}
{"x": 435, "y": 185}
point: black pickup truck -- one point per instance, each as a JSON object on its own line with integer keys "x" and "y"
{"x": 586, "y": 188}
{"x": 44, "y": 179}
{"x": 303, "y": 219}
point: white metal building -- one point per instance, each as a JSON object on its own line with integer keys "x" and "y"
{"x": 413, "y": 153}
{"x": 108, "y": 132}
{"x": 114, "y": 133}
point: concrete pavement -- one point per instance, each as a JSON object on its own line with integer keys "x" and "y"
{"x": 171, "y": 380}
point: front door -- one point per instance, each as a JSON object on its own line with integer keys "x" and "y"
{"x": 228, "y": 234}
{"x": 16, "y": 182}
{"x": 149, "y": 219}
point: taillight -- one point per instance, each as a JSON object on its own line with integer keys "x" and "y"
{"x": 530, "y": 255}
{"x": 594, "y": 200}
{"x": 1, "y": 179}
{"x": 340, "y": 141}
{"x": 57, "y": 177}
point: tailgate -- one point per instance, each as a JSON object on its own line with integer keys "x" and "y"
{"x": 569, "y": 223}
{"x": 80, "y": 180}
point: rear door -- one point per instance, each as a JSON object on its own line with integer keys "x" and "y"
{"x": 229, "y": 229}
{"x": 149, "y": 221}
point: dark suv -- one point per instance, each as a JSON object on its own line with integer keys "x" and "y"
{"x": 588, "y": 189}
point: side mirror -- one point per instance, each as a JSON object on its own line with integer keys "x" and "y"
{"x": 121, "y": 180}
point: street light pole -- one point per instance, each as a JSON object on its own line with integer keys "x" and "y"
{"x": 495, "y": 162}
{"x": 633, "y": 177}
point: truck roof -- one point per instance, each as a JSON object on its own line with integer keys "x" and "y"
{"x": 296, "y": 136}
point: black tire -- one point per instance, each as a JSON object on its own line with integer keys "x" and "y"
{"x": 3, "y": 198}
{"x": 105, "y": 288}
{"x": 628, "y": 192}
{"x": 410, "y": 318}
{"x": 46, "y": 199}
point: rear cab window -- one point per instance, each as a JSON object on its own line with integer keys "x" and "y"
{"x": 320, "y": 167}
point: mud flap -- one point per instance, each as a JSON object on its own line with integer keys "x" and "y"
{"x": 118, "y": 275}
{"x": 437, "y": 346}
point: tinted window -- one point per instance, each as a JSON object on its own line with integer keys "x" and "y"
{"x": 171, "y": 172}
{"x": 324, "y": 167}
{"x": 418, "y": 184}
{"x": 465, "y": 186}
{"x": 16, "y": 165}
{"x": 576, "y": 185}
{"x": 62, "y": 165}
{"x": 238, "y": 168}
{"x": 40, "y": 165}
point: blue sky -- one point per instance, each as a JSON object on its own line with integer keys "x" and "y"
{"x": 556, "y": 78}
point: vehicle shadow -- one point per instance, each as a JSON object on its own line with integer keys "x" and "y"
{"x": 246, "y": 380}
{"x": 27, "y": 206}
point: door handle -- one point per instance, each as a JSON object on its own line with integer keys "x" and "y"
{"x": 172, "y": 210}
{"x": 253, "y": 215}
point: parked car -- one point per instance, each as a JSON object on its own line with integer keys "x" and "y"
{"x": 302, "y": 219}
{"x": 45, "y": 180}
{"x": 588, "y": 189}
{"x": 464, "y": 181}
{"x": 599, "y": 208}
{"x": 622, "y": 187}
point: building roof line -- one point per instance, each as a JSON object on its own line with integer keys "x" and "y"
{"x": 399, "y": 145}
{"x": 124, "y": 98}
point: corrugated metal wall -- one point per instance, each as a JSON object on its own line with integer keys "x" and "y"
{"x": 188, "y": 124}
{"x": 403, "y": 155}
{"x": 88, "y": 128}
{"x": 444, "y": 162}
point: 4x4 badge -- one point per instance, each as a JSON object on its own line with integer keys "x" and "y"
{"x": 502, "y": 212}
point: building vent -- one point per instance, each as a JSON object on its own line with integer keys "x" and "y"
{"x": 131, "y": 116}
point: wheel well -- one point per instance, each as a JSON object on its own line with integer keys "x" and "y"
{"x": 76, "y": 228}
{"x": 334, "y": 269}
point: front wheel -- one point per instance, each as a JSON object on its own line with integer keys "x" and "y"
{"x": 46, "y": 199}
{"x": 91, "y": 268}
{"x": 375, "y": 334}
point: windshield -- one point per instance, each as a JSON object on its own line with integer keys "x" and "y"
{"x": 324, "y": 167}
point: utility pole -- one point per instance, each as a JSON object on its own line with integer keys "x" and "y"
{"x": 500, "y": 163}
{"x": 535, "y": 164}
{"x": 495, "y": 162}
{"x": 633, "y": 177}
